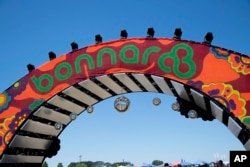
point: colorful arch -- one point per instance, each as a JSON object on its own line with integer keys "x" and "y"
{"x": 211, "y": 78}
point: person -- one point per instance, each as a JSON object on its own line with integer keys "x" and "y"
{"x": 220, "y": 164}
{"x": 166, "y": 165}
{"x": 212, "y": 164}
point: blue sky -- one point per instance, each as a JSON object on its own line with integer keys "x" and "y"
{"x": 30, "y": 29}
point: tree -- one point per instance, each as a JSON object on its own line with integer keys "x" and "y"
{"x": 72, "y": 164}
{"x": 59, "y": 164}
{"x": 81, "y": 165}
{"x": 157, "y": 162}
{"x": 107, "y": 164}
{"x": 115, "y": 164}
{"x": 45, "y": 164}
{"x": 78, "y": 164}
{"x": 98, "y": 163}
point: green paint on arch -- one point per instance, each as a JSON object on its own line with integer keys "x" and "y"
{"x": 103, "y": 51}
{"x": 83, "y": 57}
{"x": 58, "y": 69}
{"x": 134, "y": 59}
{"x": 38, "y": 82}
{"x": 147, "y": 53}
{"x": 173, "y": 55}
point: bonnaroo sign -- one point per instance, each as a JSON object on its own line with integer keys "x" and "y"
{"x": 221, "y": 74}
{"x": 64, "y": 70}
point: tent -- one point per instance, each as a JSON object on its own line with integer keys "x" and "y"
{"x": 183, "y": 164}
{"x": 148, "y": 165}
{"x": 186, "y": 164}
{"x": 200, "y": 162}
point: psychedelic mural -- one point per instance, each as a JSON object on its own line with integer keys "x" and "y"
{"x": 219, "y": 73}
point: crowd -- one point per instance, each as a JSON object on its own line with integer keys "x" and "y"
{"x": 219, "y": 163}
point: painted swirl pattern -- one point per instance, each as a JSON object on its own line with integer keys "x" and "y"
{"x": 221, "y": 74}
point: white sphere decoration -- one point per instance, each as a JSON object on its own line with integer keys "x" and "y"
{"x": 58, "y": 126}
{"x": 156, "y": 101}
{"x": 90, "y": 109}
{"x": 122, "y": 104}
{"x": 192, "y": 114}
{"x": 176, "y": 106}
{"x": 73, "y": 116}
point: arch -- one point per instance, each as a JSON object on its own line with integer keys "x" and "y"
{"x": 210, "y": 79}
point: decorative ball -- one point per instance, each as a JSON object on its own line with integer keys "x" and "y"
{"x": 176, "y": 106}
{"x": 58, "y": 126}
{"x": 156, "y": 101}
{"x": 122, "y": 104}
{"x": 73, "y": 116}
{"x": 90, "y": 109}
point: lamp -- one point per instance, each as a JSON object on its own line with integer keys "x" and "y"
{"x": 30, "y": 67}
{"x": 74, "y": 46}
{"x": 208, "y": 38}
{"x": 124, "y": 34}
{"x": 177, "y": 33}
{"x": 150, "y": 32}
{"x": 98, "y": 39}
{"x": 191, "y": 110}
{"x": 53, "y": 148}
{"x": 52, "y": 55}
{"x": 183, "y": 107}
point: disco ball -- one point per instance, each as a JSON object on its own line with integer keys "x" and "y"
{"x": 58, "y": 126}
{"x": 73, "y": 116}
{"x": 122, "y": 104}
{"x": 156, "y": 101}
{"x": 90, "y": 109}
{"x": 192, "y": 114}
{"x": 176, "y": 106}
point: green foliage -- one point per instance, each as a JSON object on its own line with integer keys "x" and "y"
{"x": 59, "y": 164}
{"x": 116, "y": 164}
{"x": 72, "y": 164}
{"x": 45, "y": 164}
{"x": 157, "y": 162}
{"x": 98, "y": 164}
{"x": 107, "y": 164}
{"x": 81, "y": 165}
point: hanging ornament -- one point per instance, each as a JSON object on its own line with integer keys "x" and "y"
{"x": 192, "y": 114}
{"x": 122, "y": 104}
{"x": 58, "y": 126}
{"x": 156, "y": 101}
{"x": 176, "y": 106}
{"x": 73, "y": 116}
{"x": 90, "y": 109}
